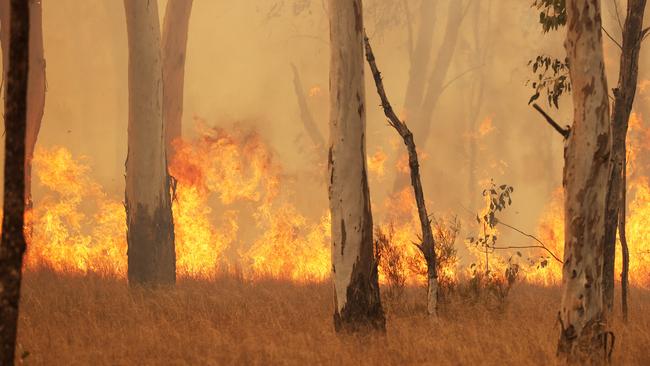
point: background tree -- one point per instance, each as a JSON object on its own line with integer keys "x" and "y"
{"x": 624, "y": 94}
{"x": 13, "y": 239}
{"x": 174, "y": 48}
{"x": 37, "y": 85}
{"x": 586, "y": 175}
{"x": 354, "y": 269}
{"x": 150, "y": 228}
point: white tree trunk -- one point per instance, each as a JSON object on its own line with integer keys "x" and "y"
{"x": 586, "y": 173}
{"x": 150, "y": 236}
{"x": 354, "y": 270}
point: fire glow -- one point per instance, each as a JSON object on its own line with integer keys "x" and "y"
{"x": 223, "y": 176}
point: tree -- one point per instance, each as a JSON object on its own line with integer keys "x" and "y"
{"x": 422, "y": 93}
{"x": 354, "y": 269}
{"x": 174, "y": 46}
{"x": 36, "y": 86}
{"x": 553, "y": 16}
{"x": 427, "y": 246}
{"x": 150, "y": 228}
{"x": 583, "y": 338}
{"x": 13, "y": 238}
{"x": 624, "y": 95}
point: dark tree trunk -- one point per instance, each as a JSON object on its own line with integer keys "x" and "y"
{"x": 13, "y": 238}
{"x": 174, "y": 43}
{"x": 625, "y": 251}
{"x": 37, "y": 84}
{"x": 150, "y": 227}
{"x": 427, "y": 247}
{"x": 624, "y": 95}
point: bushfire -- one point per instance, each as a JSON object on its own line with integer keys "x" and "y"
{"x": 230, "y": 214}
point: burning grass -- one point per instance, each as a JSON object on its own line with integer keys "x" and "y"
{"x": 88, "y": 319}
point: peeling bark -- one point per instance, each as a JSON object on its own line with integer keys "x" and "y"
{"x": 583, "y": 338}
{"x": 150, "y": 229}
{"x": 13, "y": 239}
{"x": 354, "y": 269}
{"x": 174, "y": 48}
{"x": 624, "y": 95}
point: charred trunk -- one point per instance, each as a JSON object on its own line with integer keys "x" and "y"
{"x": 354, "y": 269}
{"x": 13, "y": 238}
{"x": 624, "y": 95}
{"x": 174, "y": 47}
{"x": 583, "y": 337}
{"x": 150, "y": 228}
{"x": 427, "y": 247}
{"x": 36, "y": 85}
{"x": 625, "y": 251}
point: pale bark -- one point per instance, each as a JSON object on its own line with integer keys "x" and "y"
{"x": 174, "y": 48}
{"x": 624, "y": 95}
{"x": 354, "y": 269}
{"x": 427, "y": 247}
{"x": 36, "y": 86}
{"x": 583, "y": 338}
{"x": 13, "y": 243}
{"x": 150, "y": 230}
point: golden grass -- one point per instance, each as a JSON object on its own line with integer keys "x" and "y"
{"x": 90, "y": 320}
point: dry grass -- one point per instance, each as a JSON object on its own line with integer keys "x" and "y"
{"x": 67, "y": 320}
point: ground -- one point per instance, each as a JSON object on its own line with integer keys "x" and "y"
{"x": 91, "y": 320}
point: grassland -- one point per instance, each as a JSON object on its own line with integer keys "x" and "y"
{"x": 91, "y": 320}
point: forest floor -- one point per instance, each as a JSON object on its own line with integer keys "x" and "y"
{"x": 90, "y": 320}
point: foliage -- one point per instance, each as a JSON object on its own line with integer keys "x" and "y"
{"x": 497, "y": 199}
{"x": 552, "y": 13}
{"x": 391, "y": 262}
{"x": 552, "y": 78}
{"x": 551, "y": 74}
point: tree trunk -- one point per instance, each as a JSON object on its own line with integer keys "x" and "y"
{"x": 305, "y": 115}
{"x": 441, "y": 67}
{"x": 174, "y": 43}
{"x": 36, "y": 86}
{"x": 150, "y": 228}
{"x": 354, "y": 269}
{"x": 13, "y": 238}
{"x": 586, "y": 175}
{"x": 420, "y": 57}
{"x": 420, "y": 116}
{"x": 623, "y": 99}
{"x": 427, "y": 247}
{"x": 624, "y": 248}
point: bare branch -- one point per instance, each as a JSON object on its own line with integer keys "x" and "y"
{"x": 442, "y": 89}
{"x": 611, "y": 38}
{"x": 645, "y": 33}
{"x": 618, "y": 15}
{"x": 541, "y": 245}
{"x": 562, "y": 131}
